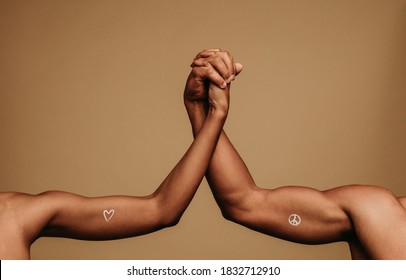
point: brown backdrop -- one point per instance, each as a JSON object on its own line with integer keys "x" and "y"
{"x": 91, "y": 103}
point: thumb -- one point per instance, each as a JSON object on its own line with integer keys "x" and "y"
{"x": 238, "y": 68}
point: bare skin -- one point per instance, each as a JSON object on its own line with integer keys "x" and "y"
{"x": 24, "y": 218}
{"x": 371, "y": 219}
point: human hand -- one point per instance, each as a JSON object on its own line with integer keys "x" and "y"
{"x": 210, "y": 66}
{"x": 218, "y": 99}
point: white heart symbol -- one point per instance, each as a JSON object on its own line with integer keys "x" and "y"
{"x": 108, "y": 214}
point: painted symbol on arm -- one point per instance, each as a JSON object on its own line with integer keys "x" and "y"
{"x": 294, "y": 220}
{"x": 108, "y": 214}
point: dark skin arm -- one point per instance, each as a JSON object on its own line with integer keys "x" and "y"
{"x": 54, "y": 213}
{"x": 341, "y": 214}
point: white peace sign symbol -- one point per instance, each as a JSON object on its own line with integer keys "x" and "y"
{"x": 295, "y": 220}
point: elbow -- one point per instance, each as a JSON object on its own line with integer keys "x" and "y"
{"x": 231, "y": 216}
{"x": 227, "y": 214}
{"x": 170, "y": 220}
{"x": 234, "y": 214}
{"x": 166, "y": 214}
{"x": 229, "y": 211}
{"x": 239, "y": 208}
{"x": 237, "y": 212}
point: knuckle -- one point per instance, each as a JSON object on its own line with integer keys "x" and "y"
{"x": 210, "y": 71}
{"x": 197, "y": 61}
{"x": 196, "y": 71}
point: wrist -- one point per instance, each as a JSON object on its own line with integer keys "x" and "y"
{"x": 217, "y": 113}
{"x": 196, "y": 106}
{"x": 201, "y": 109}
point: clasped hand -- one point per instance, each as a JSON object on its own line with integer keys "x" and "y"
{"x": 208, "y": 84}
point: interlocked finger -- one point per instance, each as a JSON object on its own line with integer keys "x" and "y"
{"x": 222, "y": 61}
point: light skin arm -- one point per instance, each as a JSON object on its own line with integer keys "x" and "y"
{"x": 73, "y": 216}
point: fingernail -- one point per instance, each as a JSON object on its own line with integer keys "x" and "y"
{"x": 224, "y": 85}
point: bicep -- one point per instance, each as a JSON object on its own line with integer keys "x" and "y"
{"x": 298, "y": 214}
{"x": 102, "y": 218}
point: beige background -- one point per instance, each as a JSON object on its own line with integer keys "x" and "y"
{"x": 91, "y": 103}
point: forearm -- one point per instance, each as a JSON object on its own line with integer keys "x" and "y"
{"x": 197, "y": 115}
{"x": 227, "y": 174}
{"x": 179, "y": 187}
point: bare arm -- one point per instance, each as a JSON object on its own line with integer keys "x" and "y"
{"x": 74, "y": 216}
{"x": 371, "y": 219}
{"x": 268, "y": 211}
{"x": 322, "y": 218}
{"x": 124, "y": 216}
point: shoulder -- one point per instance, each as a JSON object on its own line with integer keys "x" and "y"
{"x": 11, "y": 201}
{"x": 28, "y": 214}
{"x": 362, "y": 197}
{"x": 13, "y": 216}
{"x": 17, "y": 201}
